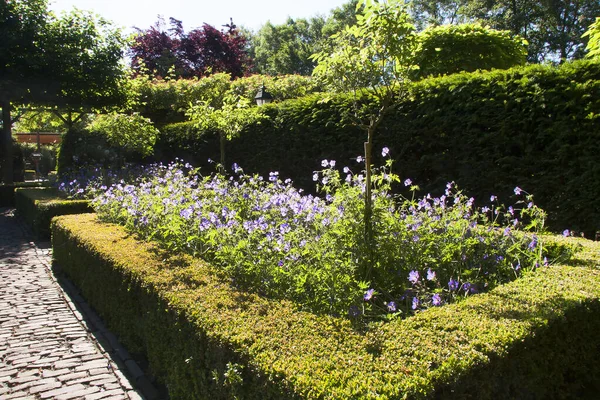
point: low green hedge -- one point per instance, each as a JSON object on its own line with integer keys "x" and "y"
{"x": 7, "y": 192}
{"x": 534, "y": 338}
{"x": 38, "y": 206}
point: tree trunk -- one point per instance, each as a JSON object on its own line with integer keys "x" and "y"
{"x": 7, "y": 150}
{"x": 222, "y": 140}
{"x": 368, "y": 205}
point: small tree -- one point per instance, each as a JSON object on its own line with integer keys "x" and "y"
{"x": 373, "y": 60}
{"x": 228, "y": 118}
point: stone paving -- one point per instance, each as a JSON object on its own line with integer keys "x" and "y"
{"x": 48, "y": 349}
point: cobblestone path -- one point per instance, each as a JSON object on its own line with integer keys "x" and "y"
{"x": 47, "y": 349}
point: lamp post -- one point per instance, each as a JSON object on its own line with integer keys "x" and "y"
{"x": 263, "y": 97}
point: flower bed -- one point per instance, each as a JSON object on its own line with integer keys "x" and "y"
{"x": 535, "y": 337}
{"x": 268, "y": 237}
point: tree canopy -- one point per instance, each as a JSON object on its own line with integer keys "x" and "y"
{"x": 68, "y": 64}
{"x": 161, "y": 52}
{"x": 287, "y": 48}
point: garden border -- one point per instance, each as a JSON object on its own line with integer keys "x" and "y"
{"x": 206, "y": 340}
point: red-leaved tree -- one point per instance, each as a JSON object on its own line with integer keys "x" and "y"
{"x": 158, "y": 51}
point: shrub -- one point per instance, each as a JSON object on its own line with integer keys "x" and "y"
{"x": 533, "y": 338}
{"x": 38, "y": 206}
{"x": 449, "y": 49}
{"x": 7, "y": 192}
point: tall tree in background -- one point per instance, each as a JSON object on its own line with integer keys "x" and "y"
{"x": 164, "y": 52}
{"x": 69, "y": 64}
{"x": 286, "y": 48}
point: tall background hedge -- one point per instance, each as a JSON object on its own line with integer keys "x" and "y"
{"x": 536, "y": 127}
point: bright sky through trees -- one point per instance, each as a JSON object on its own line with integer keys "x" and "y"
{"x": 193, "y": 13}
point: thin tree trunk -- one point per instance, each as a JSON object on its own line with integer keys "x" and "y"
{"x": 222, "y": 139}
{"x": 7, "y": 148}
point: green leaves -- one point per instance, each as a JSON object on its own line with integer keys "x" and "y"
{"x": 449, "y": 49}
{"x": 593, "y": 35}
{"x": 131, "y": 133}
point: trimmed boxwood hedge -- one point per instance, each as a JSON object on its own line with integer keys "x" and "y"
{"x": 38, "y": 206}
{"x": 7, "y": 192}
{"x": 534, "y": 338}
{"x": 537, "y": 127}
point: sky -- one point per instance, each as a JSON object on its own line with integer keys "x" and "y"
{"x": 251, "y": 14}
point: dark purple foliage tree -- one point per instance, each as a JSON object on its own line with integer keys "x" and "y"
{"x": 158, "y": 51}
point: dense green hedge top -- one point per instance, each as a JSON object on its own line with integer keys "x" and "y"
{"x": 325, "y": 357}
{"x": 536, "y": 127}
{"x": 46, "y": 196}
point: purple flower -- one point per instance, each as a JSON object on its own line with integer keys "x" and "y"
{"x": 518, "y": 190}
{"x": 359, "y": 159}
{"x": 391, "y": 306}
{"x": 280, "y": 263}
{"x": 332, "y": 163}
{"x": 493, "y": 198}
{"x": 415, "y": 303}
{"x": 324, "y": 163}
{"x": 566, "y": 233}
{"x": 407, "y": 182}
{"x": 533, "y": 243}
{"x": 506, "y": 231}
{"x": 186, "y": 213}
{"x": 315, "y": 177}
{"x": 369, "y": 294}
{"x": 413, "y": 276}
{"x": 385, "y": 151}
{"x": 452, "y": 284}
{"x": 430, "y": 274}
{"x": 436, "y": 299}
{"x": 346, "y": 170}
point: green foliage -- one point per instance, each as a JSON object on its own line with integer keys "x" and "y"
{"x": 7, "y": 192}
{"x": 234, "y": 114}
{"x": 269, "y": 238}
{"x": 83, "y": 53}
{"x": 286, "y": 48}
{"x": 129, "y": 133}
{"x": 593, "y": 35}
{"x": 204, "y": 339}
{"x": 552, "y": 29}
{"x": 38, "y": 206}
{"x": 68, "y": 64}
{"x": 534, "y": 127}
{"x": 449, "y": 49}
{"x": 168, "y": 101}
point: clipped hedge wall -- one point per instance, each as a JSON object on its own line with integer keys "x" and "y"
{"x": 38, "y": 206}
{"x": 7, "y": 192}
{"x": 535, "y": 127}
{"x": 534, "y": 338}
